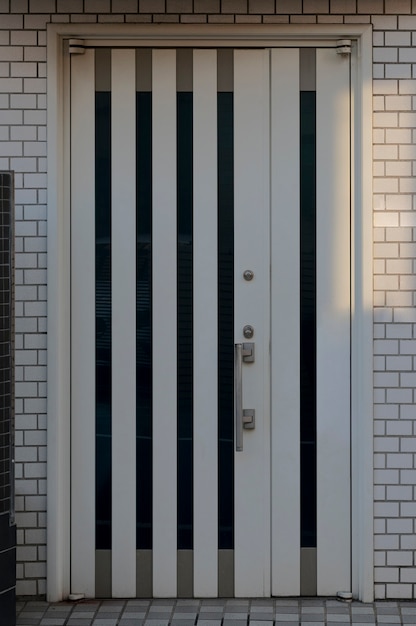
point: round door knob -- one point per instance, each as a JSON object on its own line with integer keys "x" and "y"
{"x": 248, "y": 275}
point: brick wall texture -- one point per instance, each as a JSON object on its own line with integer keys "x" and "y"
{"x": 23, "y": 149}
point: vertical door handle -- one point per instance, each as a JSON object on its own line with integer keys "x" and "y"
{"x": 243, "y": 418}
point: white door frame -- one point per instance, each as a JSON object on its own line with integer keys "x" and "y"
{"x": 59, "y": 397}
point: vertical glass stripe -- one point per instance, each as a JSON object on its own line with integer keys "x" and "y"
{"x": 185, "y": 318}
{"x": 144, "y": 320}
{"x": 103, "y": 316}
{"x": 225, "y": 319}
{"x": 308, "y": 316}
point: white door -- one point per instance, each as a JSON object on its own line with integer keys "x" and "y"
{"x": 210, "y": 307}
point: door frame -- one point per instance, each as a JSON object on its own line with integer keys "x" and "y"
{"x": 58, "y": 229}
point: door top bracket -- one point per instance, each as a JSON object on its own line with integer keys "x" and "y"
{"x": 76, "y": 46}
{"x": 344, "y": 47}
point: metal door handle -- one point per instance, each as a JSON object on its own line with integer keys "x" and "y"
{"x": 243, "y": 418}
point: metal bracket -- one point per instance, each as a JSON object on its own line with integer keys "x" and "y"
{"x": 76, "y": 46}
{"x": 248, "y": 352}
{"x": 344, "y": 47}
{"x": 249, "y": 419}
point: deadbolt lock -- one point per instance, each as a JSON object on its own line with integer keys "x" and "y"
{"x": 248, "y": 331}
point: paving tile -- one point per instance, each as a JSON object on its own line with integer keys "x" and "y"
{"x": 209, "y": 612}
{"x": 381, "y": 610}
{"x": 159, "y": 614}
{"x": 210, "y": 615}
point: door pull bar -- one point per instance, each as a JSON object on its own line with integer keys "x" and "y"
{"x": 244, "y": 418}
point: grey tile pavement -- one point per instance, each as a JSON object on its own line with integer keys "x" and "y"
{"x": 273, "y": 612}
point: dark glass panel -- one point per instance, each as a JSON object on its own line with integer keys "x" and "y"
{"x": 144, "y": 320}
{"x": 185, "y": 318}
{"x": 308, "y": 316}
{"x": 103, "y": 317}
{"x": 225, "y": 319}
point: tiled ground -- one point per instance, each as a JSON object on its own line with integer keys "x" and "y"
{"x": 277, "y": 612}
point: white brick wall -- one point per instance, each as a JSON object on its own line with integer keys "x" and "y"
{"x": 23, "y": 148}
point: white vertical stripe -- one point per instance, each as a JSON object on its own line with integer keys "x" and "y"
{"x": 252, "y": 306}
{"x": 83, "y": 324}
{"x": 164, "y": 325}
{"x": 205, "y": 325}
{"x": 285, "y": 322}
{"x": 333, "y": 323}
{"x": 123, "y": 281}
